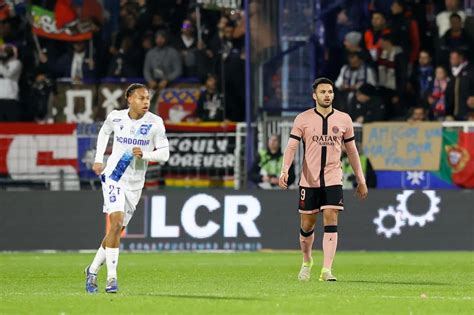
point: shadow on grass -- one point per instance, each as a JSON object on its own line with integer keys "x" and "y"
{"x": 202, "y": 297}
{"x": 396, "y": 282}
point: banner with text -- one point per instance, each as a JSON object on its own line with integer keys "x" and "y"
{"x": 403, "y": 146}
{"x": 217, "y": 219}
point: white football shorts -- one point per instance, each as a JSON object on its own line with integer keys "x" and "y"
{"x": 118, "y": 198}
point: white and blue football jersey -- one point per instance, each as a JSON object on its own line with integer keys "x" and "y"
{"x": 148, "y": 133}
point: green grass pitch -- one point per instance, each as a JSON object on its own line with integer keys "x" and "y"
{"x": 241, "y": 283}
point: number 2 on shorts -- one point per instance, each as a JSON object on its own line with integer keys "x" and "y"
{"x": 112, "y": 187}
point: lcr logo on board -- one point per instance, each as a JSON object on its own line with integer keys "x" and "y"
{"x": 232, "y": 217}
{"x": 201, "y": 222}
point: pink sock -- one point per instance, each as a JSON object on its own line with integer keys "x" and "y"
{"x": 329, "y": 248}
{"x": 306, "y": 243}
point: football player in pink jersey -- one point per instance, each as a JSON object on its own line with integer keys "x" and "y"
{"x": 323, "y": 130}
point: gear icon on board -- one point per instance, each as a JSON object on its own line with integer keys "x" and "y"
{"x": 421, "y": 220}
{"x": 396, "y": 229}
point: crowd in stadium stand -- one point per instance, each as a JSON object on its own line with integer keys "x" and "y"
{"x": 154, "y": 42}
{"x": 398, "y": 55}
{"x": 412, "y": 55}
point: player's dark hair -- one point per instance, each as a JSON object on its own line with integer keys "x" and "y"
{"x": 132, "y": 87}
{"x": 319, "y": 81}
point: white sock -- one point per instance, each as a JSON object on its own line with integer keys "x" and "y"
{"x": 99, "y": 259}
{"x": 111, "y": 258}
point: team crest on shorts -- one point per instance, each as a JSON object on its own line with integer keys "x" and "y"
{"x": 335, "y": 129}
{"x": 144, "y": 129}
{"x": 112, "y": 198}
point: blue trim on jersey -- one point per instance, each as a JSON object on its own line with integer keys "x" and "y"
{"x": 121, "y": 166}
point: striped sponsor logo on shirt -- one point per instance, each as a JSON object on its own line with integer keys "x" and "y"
{"x": 121, "y": 166}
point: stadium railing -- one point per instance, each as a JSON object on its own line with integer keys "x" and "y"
{"x": 281, "y": 126}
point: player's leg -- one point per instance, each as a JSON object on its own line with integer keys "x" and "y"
{"x": 112, "y": 244}
{"x": 308, "y": 207}
{"x": 330, "y": 217}
{"x": 308, "y": 222}
{"x": 99, "y": 258}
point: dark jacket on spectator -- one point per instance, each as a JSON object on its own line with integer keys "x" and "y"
{"x": 460, "y": 88}
{"x": 373, "y": 110}
{"x": 406, "y": 35}
{"x": 64, "y": 65}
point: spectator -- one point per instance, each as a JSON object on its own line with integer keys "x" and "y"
{"x": 158, "y": 23}
{"x": 392, "y": 75}
{"x": 267, "y": 166}
{"x": 216, "y": 40}
{"x": 39, "y": 96}
{"x": 162, "y": 63}
{"x": 437, "y": 97}
{"x": 421, "y": 81}
{"x": 10, "y": 72}
{"x": 75, "y": 64}
{"x": 373, "y": 34}
{"x": 405, "y": 32}
{"x": 417, "y": 114}
{"x": 352, "y": 76}
{"x": 454, "y": 39}
{"x": 210, "y": 106}
{"x": 460, "y": 90}
{"x": 367, "y": 106}
{"x": 442, "y": 19}
{"x": 234, "y": 75}
{"x": 128, "y": 61}
{"x": 186, "y": 45}
{"x": 352, "y": 44}
{"x": 127, "y": 30}
{"x": 349, "y": 179}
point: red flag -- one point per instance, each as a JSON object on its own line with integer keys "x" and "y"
{"x": 463, "y": 174}
{"x": 64, "y": 12}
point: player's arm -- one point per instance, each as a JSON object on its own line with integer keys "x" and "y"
{"x": 290, "y": 150}
{"x": 102, "y": 141}
{"x": 354, "y": 160}
{"x": 162, "y": 150}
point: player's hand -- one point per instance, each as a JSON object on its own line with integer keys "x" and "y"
{"x": 362, "y": 191}
{"x": 137, "y": 152}
{"x": 97, "y": 168}
{"x": 283, "y": 182}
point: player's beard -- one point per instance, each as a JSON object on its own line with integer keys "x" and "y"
{"x": 323, "y": 105}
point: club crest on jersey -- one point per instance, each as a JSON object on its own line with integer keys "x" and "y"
{"x": 335, "y": 129}
{"x": 144, "y": 129}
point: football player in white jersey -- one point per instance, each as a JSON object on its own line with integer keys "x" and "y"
{"x": 139, "y": 137}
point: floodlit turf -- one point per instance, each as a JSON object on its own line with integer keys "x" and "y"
{"x": 245, "y": 283}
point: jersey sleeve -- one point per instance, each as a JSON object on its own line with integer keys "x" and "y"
{"x": 160, "y": 140}
{"x": 108, "y": 126}
{"x": 349, "y": 132}
{"x": 297, "y": 130}
{"x": 103, "y": 138}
